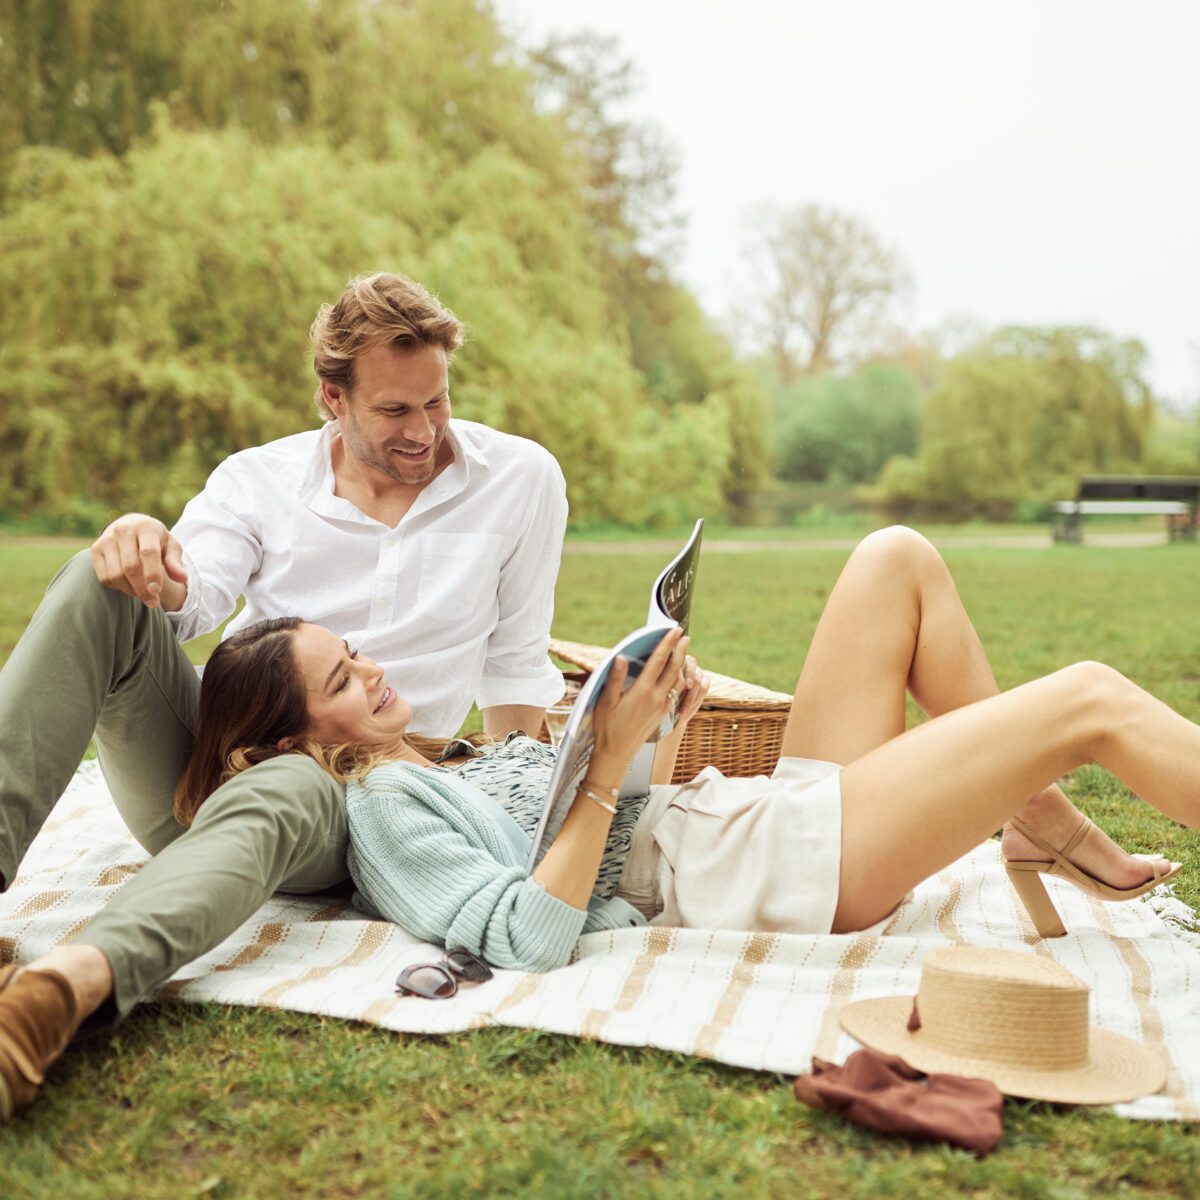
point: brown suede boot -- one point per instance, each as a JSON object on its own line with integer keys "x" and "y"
{"x": 37, "y": 1015}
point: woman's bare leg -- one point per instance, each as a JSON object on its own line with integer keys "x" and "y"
{"x": 953, "y": 780}
{"x": 894, "y": 623}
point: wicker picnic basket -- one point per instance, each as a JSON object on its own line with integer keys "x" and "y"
{"x": 738, "y": 730}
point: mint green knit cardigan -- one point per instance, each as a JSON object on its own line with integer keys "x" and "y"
{"x": 441, "y": 858}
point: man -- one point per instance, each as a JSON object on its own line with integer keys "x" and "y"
{"x": 432, "y": 543}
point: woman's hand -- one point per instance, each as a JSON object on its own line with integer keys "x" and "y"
{"x": 693, "y": 688}
{"x": 692, "y": 695}
{"x": 624, "y": 720}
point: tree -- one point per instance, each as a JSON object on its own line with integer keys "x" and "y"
{"x": 1015, "y": 421}
{"x": 630, "y": 169}
{"x": 828, "y": 285}
{"x": 845, "y": 428}
{"x": 186, "y": 183}
{"x": 629, "y": 191}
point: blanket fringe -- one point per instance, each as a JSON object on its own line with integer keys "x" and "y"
{"x": 1180, "y": 920}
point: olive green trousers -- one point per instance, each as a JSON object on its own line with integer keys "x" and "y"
{"x": 93, "y": 662}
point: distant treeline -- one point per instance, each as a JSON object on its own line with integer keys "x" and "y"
{"x": 999, "y": 429}
{"x": 181, "y": 185}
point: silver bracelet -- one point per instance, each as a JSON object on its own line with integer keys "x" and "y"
{"x": 611, "y": 808}
{"x": 615, "y": 793}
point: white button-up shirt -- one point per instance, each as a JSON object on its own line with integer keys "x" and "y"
{"x": 454, "y": 602}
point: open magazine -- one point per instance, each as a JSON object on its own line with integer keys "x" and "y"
{"x": 670, "y": 605}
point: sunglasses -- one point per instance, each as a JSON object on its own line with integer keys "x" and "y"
{"x": 440, "y": 980}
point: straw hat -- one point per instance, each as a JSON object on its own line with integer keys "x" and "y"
{"x": 1019, "y": 1020}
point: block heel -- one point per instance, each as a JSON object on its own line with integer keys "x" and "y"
{"x": 1027, "y": 882}
{"x": 1031, "y": 891}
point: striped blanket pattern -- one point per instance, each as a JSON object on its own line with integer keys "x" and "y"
{"x": 760, "y": 1001}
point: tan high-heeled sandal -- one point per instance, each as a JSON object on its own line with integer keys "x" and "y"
{"x": 37, "y": 1014}
{"x": 1024, "y": 876}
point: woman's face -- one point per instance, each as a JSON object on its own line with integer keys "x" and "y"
{"x": 348, "y": 699}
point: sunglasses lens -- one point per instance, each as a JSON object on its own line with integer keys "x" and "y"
{"x": 468, "y": 966}
{"x": 430, "y": 980}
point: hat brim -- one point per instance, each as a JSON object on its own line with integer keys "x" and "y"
{"x": 1118, "y": 1068}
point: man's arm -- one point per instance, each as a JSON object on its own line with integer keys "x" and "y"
{"x": 501, "y": 719}
{"x": 518, "y": 678}
{"x": 221, "y": 551}
{"x": 195, "y": 572}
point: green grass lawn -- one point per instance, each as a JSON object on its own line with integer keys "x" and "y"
{"x": 850, "y": 525}
{"x": 189, "y": 1100}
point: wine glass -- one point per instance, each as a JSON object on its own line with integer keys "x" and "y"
{"x": 557, "y": 716}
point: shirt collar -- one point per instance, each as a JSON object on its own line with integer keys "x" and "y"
{"x": 466, "y": 445}
{"x": 317, "y": 489}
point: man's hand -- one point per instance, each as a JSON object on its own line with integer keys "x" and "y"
{"x": 137, "y": 555}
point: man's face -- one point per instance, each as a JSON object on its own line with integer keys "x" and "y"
{"x": 394, "y": 419}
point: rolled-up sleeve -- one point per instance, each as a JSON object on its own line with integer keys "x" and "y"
{"x": 221, "y": 551}
{"x": 517, "y": 669}
{"x": 414, "y": 869}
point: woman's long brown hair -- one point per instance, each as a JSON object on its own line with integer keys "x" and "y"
{"x": 252, "y": 696}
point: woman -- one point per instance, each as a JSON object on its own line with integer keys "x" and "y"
{"x": 858, "y": 812}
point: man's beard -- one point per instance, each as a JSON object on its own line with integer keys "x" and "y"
{"x": 387, "y": 463}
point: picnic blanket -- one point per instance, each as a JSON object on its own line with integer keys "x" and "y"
{"x": 762, "y": 1001}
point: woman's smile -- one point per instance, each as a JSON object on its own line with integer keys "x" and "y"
{"x": 348, "y": 698}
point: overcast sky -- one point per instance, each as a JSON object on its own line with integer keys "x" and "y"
{"x": 1034, "y": 162}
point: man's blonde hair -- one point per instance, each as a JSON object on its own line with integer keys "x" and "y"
{"x": 377, "y": 310}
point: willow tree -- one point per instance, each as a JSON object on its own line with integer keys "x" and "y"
{"x": 184, "y": 184}
{"x": 1015, "y": 421}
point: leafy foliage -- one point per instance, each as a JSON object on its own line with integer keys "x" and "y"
{"x": 183, "y": 185}
{"x": 1017, "y": 419}
{"x": 844, "y": 428}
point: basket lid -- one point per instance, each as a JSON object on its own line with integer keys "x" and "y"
{"x": 725, "y": 692}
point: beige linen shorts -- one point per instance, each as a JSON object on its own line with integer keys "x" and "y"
{"x": 760, "y": 854}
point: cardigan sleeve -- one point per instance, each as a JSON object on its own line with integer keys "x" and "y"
{"x": 415, "y": 869}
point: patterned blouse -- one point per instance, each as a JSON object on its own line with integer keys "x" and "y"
{"x": 516, "y": 774}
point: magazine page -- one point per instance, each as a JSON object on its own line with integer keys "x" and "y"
{"x": 671, "y": 595}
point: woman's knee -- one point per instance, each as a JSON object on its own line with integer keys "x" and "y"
{"x": 899, "y": 551}
{"x": 1092, "y": 700}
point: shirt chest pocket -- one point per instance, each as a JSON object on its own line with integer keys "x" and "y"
{"x": 460, "y": 574}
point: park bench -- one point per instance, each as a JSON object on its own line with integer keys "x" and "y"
{"x": 1177, "y": 497}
